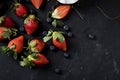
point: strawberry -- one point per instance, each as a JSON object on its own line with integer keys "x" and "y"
{"x": 20, "y": 10}
{"x": 57, "y": 39}
{"x": 30, "y": 24}
{"x": 61, "y": 11}
{"x": 6, "y": 33}
{"x": 6, "y": 21}
{"x": 37, "y": 3}
{"x": 14, "y": 46}
{"x": 34, "y": 59}
{"x": 17, "y": 43}
{"x": 36, "y": 45}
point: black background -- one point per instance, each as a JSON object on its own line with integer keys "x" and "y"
{"x": 90, "y": 59}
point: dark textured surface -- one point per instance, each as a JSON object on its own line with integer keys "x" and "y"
{"x": 90, "y": 59}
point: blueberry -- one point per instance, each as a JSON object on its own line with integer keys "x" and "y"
{"x": 69, "y": 34}
{"x": 52, "y": 48}
{"x": 49, "y": 20}
{"x": 58, "y": 71}
{"x": 44, "y": 33}
{"x": 91, "y": 36}
{"x": 66, "y": 27}
{"x": 32, "y": 11}
{"x": 66, "y": 55}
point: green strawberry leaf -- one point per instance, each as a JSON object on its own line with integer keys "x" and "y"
{"x": 54, "y": 23}
{"x": 58, "y": 36}
{"x": 15, "y": 56}
{"x": 47, "y": 38}
{"x": 32, "y": 44}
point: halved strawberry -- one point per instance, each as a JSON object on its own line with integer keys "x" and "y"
{"x": 6, "y": 21}
{"x": 20, "y": 10}
{"x": 36, "y": 45}
{"x": 57, "y": 38}
{"x": 30, "y": 24}
{"x": 6, "y": 33}
{"x": 37, "y": 3}
{"x": 61, "y": 11}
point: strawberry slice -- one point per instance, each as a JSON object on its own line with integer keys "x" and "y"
{"x": 30, "y": 24}
{"x": 36, "y": 45}
{"x": 6, "y": 21}
{"x": 37, "y": 3}
{"x": 61, "y": 11}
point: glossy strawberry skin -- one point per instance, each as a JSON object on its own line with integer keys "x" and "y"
{"x": 6, "y": 21}
{"x": 18, "y": 42}
{"x": 20, "y": 10}
{"x": 61, "y": 45}
{"x": 41, "y": 61}
{"x": 30, "y": 24}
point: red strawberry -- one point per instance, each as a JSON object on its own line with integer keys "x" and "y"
{"x": 57, "y": 38}
{"x": 36, "y": 45}
{"x": 37, "y": 60}
{"x": 30, "y": 24}
{"x": 20, "y": 10}
{"x": 6, "y": 21}
{"x": 59, "y": 41}
{"x": 61, "y": 11}
{"x": 17, "y": 43}
{"x": 6, "y": 33}
{"x": 14, "y": 46}
{"x": 37, "y": 3}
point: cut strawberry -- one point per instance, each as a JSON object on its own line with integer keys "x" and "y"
{"x": 61, "y": 11}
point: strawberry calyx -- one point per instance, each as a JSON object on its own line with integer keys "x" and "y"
{"x": 2, "y": 19}
{"x": 55, "y": 35}
{"x": 9, "y": 50}
{"x": 30, "y": 17}
{"x": 28, "y": 61}
{"x": 31, "y": 46}
{"x": 8, "y": 32}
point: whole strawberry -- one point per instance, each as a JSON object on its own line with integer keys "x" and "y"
{"x": 20, "y": 10}
{"x": 30, "y": 24}
{"x": 15, "y": 46}
{"x": 36, "y": 60}
{"x": 6, "y": 21}
{"x": 36, "y": 45}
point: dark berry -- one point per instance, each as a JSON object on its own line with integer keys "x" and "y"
{"x": 58, "y": 71}
{"x": 91, "y": 36}
{"x": 66, "y": 55}
{"x": 69, "y": 34}
{"x": 32, "y": 11}
{"x": 49, "y": 20}
{"x": 66, "y": 27}
{"x": 52, "y": 48}
{"x": 44, "y": 33}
